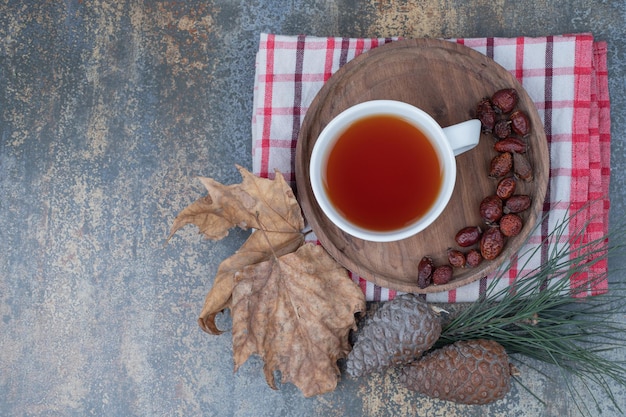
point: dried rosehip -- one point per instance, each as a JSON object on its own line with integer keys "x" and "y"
{"x": 511, "y": 224}
{"x": 473, "y": 258}
{"x": 456, "y": 258}
{"x": 522, "y": 167}
{"x": 502, "y": 129}
{"x": 520, "y": 123}
{"x": 510, "y": 144}
{"x": 517, "y": 203}
{"x": 501, "y": 165}
{"x": 442, "y": 275}
{"x": 425, "y": 272}
{"x": 505, "y": 100}
{"x": 491, "y": 209}
{"x": 486, "y": 114}
{"x": 506, "y": 187}
{"x": 468, "y": 236}
{"x": 492, "y": 243}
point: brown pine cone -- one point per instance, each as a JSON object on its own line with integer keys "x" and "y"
{"x": 398, "y": 333}
{"x": 467, "y": 372}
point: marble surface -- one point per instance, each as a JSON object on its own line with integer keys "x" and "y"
{"x": 108, "y": 110}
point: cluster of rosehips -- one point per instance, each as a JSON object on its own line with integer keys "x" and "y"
{"x": 500, "y": 211}
{"x": 499, "y": 116}
{"x": 428, "y": 273}
{"x": 509, "y": 127}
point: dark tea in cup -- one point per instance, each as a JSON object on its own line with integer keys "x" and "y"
{"x": 384, "y": 170}
{"x": 383, "y": 173}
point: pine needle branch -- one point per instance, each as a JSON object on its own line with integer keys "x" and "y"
{"x": 540, "y": 316}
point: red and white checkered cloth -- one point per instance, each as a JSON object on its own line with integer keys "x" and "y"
{"x": 566, "y": 76}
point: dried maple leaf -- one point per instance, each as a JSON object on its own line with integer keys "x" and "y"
{"x": 292, "y": 304}
{"x": 296, "y": 312}
{"x": 255, "y": 249}
{"x": 256, "y": 203}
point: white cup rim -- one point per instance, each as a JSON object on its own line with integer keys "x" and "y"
{"x": 408, "y": 112}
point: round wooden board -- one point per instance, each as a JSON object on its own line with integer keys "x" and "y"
{"x": 446, "y": 80}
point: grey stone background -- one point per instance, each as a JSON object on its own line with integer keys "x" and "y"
{"x": 109, "y": 109}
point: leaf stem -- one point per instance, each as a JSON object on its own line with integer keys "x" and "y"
{"x": 267, "y": 239}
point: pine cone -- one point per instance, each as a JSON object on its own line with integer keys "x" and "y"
{"x": 399, "y": 332}
{"x": 467, "y": 372}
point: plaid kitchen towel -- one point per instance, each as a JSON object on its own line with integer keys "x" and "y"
{"x": 565, "y": 75}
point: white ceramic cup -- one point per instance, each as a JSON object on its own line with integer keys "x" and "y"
{"x": 448, "y": 142}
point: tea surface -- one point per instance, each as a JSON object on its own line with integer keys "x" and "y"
{"x": 383, "y": 173}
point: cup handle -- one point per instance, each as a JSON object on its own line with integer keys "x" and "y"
{"x": 463, "y": 136}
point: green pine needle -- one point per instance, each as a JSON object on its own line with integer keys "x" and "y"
{"x": 540, "y": 317}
